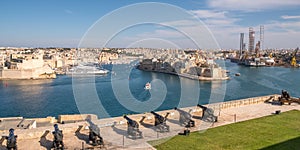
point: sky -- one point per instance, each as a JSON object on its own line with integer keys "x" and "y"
{"x": 133, "y": 23}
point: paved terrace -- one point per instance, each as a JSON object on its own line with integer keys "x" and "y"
{"x": 115, "y": 136}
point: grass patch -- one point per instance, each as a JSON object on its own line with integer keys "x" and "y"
{"x": 271, "y": 132}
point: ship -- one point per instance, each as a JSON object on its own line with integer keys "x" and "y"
{"x": 255, "y": 63}
{"x": 87, "y": 70}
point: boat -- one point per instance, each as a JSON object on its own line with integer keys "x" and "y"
{"x": 87, "y": 70}
{"x": 148, "y": 86}
{"x": 255, "y": 63}
{"x": 237, "y": 74}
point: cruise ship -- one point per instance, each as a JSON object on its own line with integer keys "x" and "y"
{"x": 87, "y": 70}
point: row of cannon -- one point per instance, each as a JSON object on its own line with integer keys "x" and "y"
{"x": 185, "y": 119}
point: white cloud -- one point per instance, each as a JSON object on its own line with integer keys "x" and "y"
{"x": 209, "y": 13}
{"x": 213, "y": 17}
{"x": 68, "y": 11}
{"x": 251, "y": 5}
{"x": 290, "y": 17}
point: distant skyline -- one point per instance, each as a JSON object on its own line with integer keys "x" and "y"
{"x": 62, "y": 23}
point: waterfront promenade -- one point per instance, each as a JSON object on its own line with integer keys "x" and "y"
{"x": 115, "y": 136}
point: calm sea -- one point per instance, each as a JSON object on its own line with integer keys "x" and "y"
{"x": 42, "y": 98}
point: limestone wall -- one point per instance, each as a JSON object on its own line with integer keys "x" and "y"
{"x": 247, "y": 101}
{"x": 49, "y": 119}
{"x": 25, "y": 74}
{"x": 75, "y": 118}
{"x": 16, "y": 74}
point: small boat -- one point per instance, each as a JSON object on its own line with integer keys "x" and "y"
{"x": 237, "y": 74}
{"x": 148, "y": 86}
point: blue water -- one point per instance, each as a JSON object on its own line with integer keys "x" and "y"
{"x": 42, "y": 98}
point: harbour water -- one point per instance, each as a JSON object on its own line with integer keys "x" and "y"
{"x": 42, "y": 98}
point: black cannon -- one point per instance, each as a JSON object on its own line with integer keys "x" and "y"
{"x": 11, "y": 140}
{"x": 58, "y": 138}
{"x": 94, "y": 134}
{"x": 285, "y": 95}
{"x": 133, "y": 128}
{"x": 208, "y": 114}
{"x": 185, "y": 118}
{"x": 160, "y": 122}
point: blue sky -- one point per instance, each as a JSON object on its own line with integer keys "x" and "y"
{"x": 63, "y": 23}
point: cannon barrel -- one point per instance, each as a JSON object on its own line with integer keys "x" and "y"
{"x": 93, "y": 127}
{"x": 158, "y": 116}
{"x": 131, "y": 122}
{"x": 184, "y": 113}
{"x": 201, "y": 106}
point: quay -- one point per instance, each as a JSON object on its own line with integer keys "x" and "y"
{"x": 114, "y": 130}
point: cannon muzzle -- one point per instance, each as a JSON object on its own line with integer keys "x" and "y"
{"x": 156, "y": 114}
{"x": 201, "y": 106}
{"x": 127, "y": 118}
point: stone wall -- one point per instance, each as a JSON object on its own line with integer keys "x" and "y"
{"x": 247, "y": 101}
{"x": 25, "y": 74}
{"x": 49, "y": 119}
{"x": 75, "y": 118}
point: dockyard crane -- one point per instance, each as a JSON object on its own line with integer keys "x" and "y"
{"x": 293, "y": 60}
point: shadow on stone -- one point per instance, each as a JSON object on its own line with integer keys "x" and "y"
{"x": 83, "y": 137}
{"x": 174, "y": 121}
{"x": 119, "y": 131}
{"x": 45, "y": 142}
{"x": 80, "y": 136}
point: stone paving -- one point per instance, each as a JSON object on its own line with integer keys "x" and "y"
{"x": 115, "y": 136}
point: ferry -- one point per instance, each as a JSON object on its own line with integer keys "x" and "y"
{"x": 87, "y": 70}
{"x": 148, "y": 86}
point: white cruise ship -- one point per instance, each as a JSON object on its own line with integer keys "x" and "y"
{"x": 87, "y": 70}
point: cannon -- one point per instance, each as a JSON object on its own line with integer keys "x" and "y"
{"x": 58, "y": 138}
{"x": 133, "y": 128}
{"x": 94, "y": 134}
{"x": 11, "y": 140}
{"x": 160, "y": 122}
{"x": 208, "y": 114}
{"x": 185, "y": 118}
{"x": 284, "y": 98}
{"x": 285, "y": 95}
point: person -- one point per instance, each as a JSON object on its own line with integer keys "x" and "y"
{"x": 58, "y": 138}
{"x": 11, "y": 140}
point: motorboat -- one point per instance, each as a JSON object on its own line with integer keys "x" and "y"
{"x": 148, "y": 86}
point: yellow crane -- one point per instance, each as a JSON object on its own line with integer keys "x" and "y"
{"x": 271, "y": 55}
{"x": 293, "y": 60}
